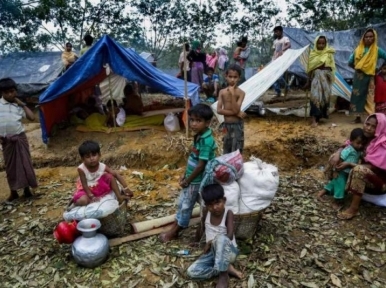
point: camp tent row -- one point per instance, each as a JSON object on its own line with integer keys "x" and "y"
{"x": 295, "y": 60}
{"x": 90, "y": 69}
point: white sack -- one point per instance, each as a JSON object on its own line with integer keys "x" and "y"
{"x": 258, "y": 185}
{"x": 107, "y": 205}
{"x": 379, "y": 200}
{"x": 232, "y": 193}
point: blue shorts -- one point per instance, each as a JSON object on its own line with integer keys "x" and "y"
{"x": 188, "y": 197}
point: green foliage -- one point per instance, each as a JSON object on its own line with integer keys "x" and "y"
{"x": 335, "y": 14}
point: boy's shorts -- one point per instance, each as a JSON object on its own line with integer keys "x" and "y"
{"x": 188, "y": 197}
{"x": 233, "y": 136}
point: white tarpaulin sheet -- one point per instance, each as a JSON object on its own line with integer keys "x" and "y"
{"x": 258, "y": 84}
{"x": 115, "y": 85}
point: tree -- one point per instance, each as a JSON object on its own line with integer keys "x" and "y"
{"x": 44, "y": 24}
{"x": 336, "y": 14}
{"x": 162, "y": 22}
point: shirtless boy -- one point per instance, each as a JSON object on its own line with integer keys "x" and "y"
{"x": 229, "y": 105}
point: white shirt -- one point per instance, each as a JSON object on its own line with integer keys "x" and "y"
{"x": 10, "y": 118}
{"x": 212, "y": 231}
{"x": 181, "y": 59}
{"x": 93, "y": 177}
{"x": 278, "y": 45}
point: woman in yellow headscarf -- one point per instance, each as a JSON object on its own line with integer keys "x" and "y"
{"x": 321, "y": 71}
{"x": 364, "y": 61}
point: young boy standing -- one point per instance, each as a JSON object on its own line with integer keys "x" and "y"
{"x": 17, "y": 158}
{"x": 280, "y": 45}
{"x": 229, "y": 105}
{"x": 221, "y": 248}
{"x": 203, "y": 150}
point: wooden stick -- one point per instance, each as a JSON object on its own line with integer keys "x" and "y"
{"x": 119, "y": 241}
{"x": 186, "y": 92}
{"x": 307, "y": 101}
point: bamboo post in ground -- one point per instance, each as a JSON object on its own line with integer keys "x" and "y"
{"x": 186, "y": 92}
{"x": 108, "y": 72}
{"x": 286, "y": 88}
{"x": 307, "y": 101}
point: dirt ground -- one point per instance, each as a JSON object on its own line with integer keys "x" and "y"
{"x": 300, "y": 242}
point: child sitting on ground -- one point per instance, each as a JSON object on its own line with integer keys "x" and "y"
{"x": 203, "y": 150}
{"x": 221, "y": 248}
{"x": 350, "y": 157}
{"x": 95, "y": 178}
{"x": 210, "y": 85}
{"x": 229, "y": 104}
{"x": 119, "y": 113}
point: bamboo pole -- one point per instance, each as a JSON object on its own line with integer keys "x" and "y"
{"x": 307, "y": 101}
{"x": 186, "y": 92}
{"x": 286, "y": 84}
{"x": 111, "y": 95}
{"x": 119, "y": 241}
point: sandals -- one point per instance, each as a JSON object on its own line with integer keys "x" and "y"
{"x": 346, "y": 216}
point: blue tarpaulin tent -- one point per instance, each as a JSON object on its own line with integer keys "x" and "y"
{"x": 89, "y": 70}
{"x": 32, "y": 71}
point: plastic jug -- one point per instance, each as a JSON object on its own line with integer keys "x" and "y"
{"x": 171, "y": 123}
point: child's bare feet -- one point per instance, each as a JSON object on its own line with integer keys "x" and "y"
{"x": 172, "y": 234}
{"x": 336, "y": 205}
{"x": 234, "y": 272}
{"x": 320, "y": 195}
{"x": 223, "y": 280}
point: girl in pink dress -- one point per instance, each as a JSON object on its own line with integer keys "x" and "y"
{"x": 95, "y": 178}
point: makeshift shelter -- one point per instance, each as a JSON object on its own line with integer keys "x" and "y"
{"x": 90, "y": 70}
{"x": 294, "y": 60}
{"x": 344, "y": 43}
{"x": 32, "y": 71}
{"x": 256, "y": 86}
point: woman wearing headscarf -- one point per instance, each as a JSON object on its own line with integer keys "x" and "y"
{"x": 321, "y": 71}
{"x": 198, "y": 62}
{"x": 364, "y": 61}
{"x": 370, "y": 175}
{"x": 223, "y": 61}
{"x": 211, "y": 60}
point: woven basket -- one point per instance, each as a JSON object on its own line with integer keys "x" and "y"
{"x": 246, "y": 224}
{"x": 114, "y": 224}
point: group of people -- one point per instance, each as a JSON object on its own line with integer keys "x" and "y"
{"x": 69, "y": 57}
{"x": 359, "y": 167}
{"x": 97, "y": 180}
{"x": 208, "y": 70}
{"x": 369, "y": 85}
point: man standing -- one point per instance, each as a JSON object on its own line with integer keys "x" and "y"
{"x": 280, "y": 45}
{"x": 88, "y": 39}
{"x": 183, "y": 60}
{"x": 241, "y": 59}
{"x": 68, "y": 56}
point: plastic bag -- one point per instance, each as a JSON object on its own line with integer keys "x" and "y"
{"x": 224, "y": 174}
{"x": 258, "y": 185}
{"x": 232, "y": 193}
{"x": 104, "y": 207}
{"x": 171, "y": 123}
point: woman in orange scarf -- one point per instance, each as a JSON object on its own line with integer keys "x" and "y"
{"x": 364, "y": 61}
